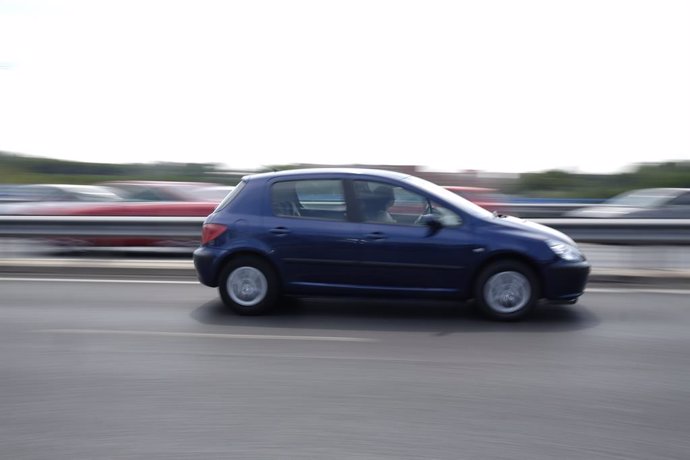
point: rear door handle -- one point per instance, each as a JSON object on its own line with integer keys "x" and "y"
{"x": 280, "y": 231}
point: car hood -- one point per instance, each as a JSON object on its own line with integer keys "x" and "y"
{"x": 532, "y": 228}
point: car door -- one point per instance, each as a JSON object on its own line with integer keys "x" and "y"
{"x": 400, "y": 253}
{"x": 310, "y": 234}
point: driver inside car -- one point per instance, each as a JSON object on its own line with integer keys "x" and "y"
{"x": 382, "y": 200}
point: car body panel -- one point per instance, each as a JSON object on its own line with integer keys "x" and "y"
{"x": 308, "y": 255}
{"x": 408, "y": 258}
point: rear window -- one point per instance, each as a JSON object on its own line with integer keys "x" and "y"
{"x": 311, "y": 199}
{"x": 230, "y": 196}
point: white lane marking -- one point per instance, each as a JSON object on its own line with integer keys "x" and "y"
{"x": 637, "y": 291}
{"x": 94, "y": 280}
{"x": 205, "y": 335}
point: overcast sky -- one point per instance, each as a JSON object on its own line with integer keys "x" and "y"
{"x": 507, "y": 86}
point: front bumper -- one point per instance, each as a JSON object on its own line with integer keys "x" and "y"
{"x": 565, "y": 280}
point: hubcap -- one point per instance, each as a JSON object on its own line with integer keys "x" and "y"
{"x": 507, "y": 292}
{"x": 247, "y": 286}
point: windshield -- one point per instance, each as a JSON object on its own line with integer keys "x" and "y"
{"x": 450, "y": 197}
{"x": 647, "y": 198}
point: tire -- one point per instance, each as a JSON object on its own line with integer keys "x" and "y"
{"x": 249, "y": 286}
{"x": 507, "y": 291}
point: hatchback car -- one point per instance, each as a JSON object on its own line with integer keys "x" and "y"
{"x": 369, "y": 232}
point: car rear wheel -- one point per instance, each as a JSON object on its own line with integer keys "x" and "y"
{"x": 249, "y": 286}
{"x": 507, "y": 291}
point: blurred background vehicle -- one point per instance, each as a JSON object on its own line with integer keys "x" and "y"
{"x": 133, "y": 199}
{"x": 63, "y": 192}
{"x": 8, "y": 193}
{"x": 37, "y": 198}
{"x": 214, "y": 193}
{"x": 130, "y": 209}
{"x": 168, "y": 190}
{"x": 122, "y": 198}
{"x": 650, "y": 203}
{"x": 488, "y": 198}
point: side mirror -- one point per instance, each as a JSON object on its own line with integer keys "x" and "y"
{"x": 432, "y": 222}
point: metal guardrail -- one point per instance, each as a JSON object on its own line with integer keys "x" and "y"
{"x": 598, "y": 231}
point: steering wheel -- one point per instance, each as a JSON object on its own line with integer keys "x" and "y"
{"x": 428, "y": 210}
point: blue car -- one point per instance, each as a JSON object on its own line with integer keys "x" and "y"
{"x": 363, "y": 232}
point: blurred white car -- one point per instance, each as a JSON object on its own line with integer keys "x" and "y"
{"x": 64, "y": 192}
{"x": 650, "y": 203}
{"x": 139, "y": 190}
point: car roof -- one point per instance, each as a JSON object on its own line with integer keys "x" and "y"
{"x": 306, "y": 172}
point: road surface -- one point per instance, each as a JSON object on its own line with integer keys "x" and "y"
{"x": 156, "y": 369}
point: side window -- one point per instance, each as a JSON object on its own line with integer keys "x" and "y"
{"x": 311, "y": 199}
{"x": 681, "y": 200}
{"x": 383, "y": 203}
{"x": 231, "y": 196}
{"x": 139, "y": 194}
{"x": 55, "y": 194}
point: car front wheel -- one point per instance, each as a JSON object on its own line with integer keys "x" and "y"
{"x": 507, "y": 291}
{"x": 249, "y": 286}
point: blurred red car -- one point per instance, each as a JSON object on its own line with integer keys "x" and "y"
{"x": 487, "y": 198}
{"x": 133, "y": 208}
{"x": 130, "y": 209}
{"x": 140, "y": 190}
{"x": 143, "y": 199}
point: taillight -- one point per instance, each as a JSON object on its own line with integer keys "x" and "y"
{"x": 210, "y": 232}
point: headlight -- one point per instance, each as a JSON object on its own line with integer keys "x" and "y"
{"x": 565, "y": 251}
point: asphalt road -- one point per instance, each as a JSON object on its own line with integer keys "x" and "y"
{"x": 149, "y": 370}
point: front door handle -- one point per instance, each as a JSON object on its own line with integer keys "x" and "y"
{"x": 376, "y": 236}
